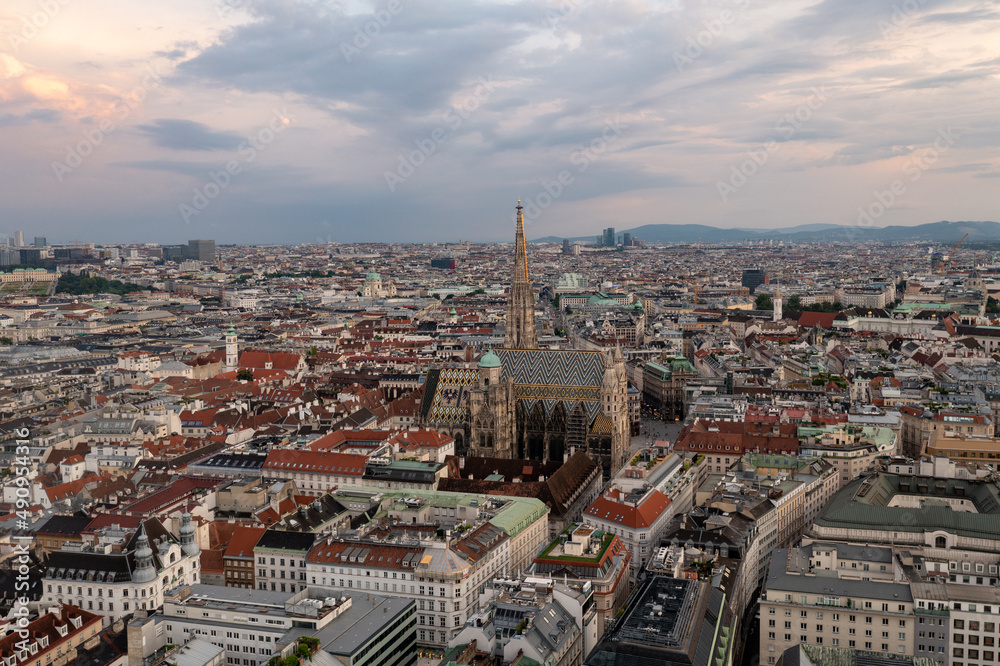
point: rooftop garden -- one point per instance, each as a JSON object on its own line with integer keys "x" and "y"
{"x": 605, "y": 542}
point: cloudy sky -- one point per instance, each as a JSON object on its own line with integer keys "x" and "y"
{"x": 286, "y": 121}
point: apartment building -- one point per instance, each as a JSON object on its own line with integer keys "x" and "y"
{"x": 852, "y": 450}
{"x": 798, "y": 606}
{"x": 443, "y": 576}
{"x": 52, "y": 638}
{"x": 122, "y": 571}
{"x": 585, "y": 554}
{"x": 638, "y": 518}
{"x": 281, "y": 560}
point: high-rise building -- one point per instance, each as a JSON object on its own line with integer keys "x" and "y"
{"x": 40, "y": 241}
{"x": 566, "y": 248}
{"x": 18, "y": 239}
{"x": 521, "y": 332}
{"x": 753, "y": 278}
{"x": 448, "y": 264}
{"x": 609, "y": 237}
{"x": 627, "y": 239}
{"x": 201, "y": 250}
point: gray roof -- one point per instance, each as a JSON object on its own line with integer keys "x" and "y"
{"x": 365, "y": 619}
{"x": 852, "y": 551}
{"x": 778, "y": 578}
{"x": 861, "y": 504}
{"x": 196, "y": 652}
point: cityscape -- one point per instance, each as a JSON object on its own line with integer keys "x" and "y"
{"x": 600, "y": 451}
{"x": 499, "y": 333}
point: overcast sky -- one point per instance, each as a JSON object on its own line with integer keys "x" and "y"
{"x": 342, "y": 121}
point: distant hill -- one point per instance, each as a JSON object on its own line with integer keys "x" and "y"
{"x": 943, "y": 232}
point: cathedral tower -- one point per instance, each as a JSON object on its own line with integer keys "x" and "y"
{"x": 776, "y": 303}
{"x": 521, "y": 332}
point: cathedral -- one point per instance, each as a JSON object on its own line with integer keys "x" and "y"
{"x": 529, "y": 403}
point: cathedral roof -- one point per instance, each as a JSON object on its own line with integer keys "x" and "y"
{"x": 550, "y": 377}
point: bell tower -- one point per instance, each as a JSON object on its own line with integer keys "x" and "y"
{"x": 232, "y": 354}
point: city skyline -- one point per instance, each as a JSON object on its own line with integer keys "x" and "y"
{"x": 314, "y": 122}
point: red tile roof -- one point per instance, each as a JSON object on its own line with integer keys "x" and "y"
{"x": 636, "y": 517}
{"x": 324, "y": 462}
{"x": 243, "y": 541}
{"x": 379, "y": 556}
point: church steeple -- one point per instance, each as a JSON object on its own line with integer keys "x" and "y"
{"x": 521, "y": 332}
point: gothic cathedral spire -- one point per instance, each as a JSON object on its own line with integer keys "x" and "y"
{"x": 520, "y": 300}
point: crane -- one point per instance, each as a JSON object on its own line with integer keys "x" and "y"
{"x": 947, "y": 260}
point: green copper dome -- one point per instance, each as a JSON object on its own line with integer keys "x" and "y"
{"x": 489, "y": 360}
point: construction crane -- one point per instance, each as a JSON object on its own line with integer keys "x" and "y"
{"x": 947, "y": 260}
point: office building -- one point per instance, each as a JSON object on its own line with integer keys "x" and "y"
{"x": 608, "y": 238}
{"x": 855, "y": 606}
{"x": 674, "y": 621}
{"x": 753, "y": 278}
{"x": 201, "y": 250}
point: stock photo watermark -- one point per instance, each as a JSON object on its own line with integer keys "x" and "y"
{"x": 364, "y": 34}
{"x": 255, "y": 143}
{"x": 901, "y": 15}
{"x": 427, "y": 146}
{"x": 740, "y": 174}
{"x": 31, "y": 25}
{"x": 20, "y": 560}
{"x": 712, "y": 29}
{"x": 581, "y": 158}
{"x": 94, "y": 137}
{"x": 913, "y": 169}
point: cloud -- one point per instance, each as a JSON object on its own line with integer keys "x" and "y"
{"x": 36, "y": 115}
{"x": 180, "y": 134}
{"x": 510, "y": 90}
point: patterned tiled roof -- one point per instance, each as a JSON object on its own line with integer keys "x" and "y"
{"x": 553, "y": 376}
{"x": 448, "y": 404}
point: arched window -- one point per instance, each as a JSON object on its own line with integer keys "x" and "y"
{"x": 940, "y": 542}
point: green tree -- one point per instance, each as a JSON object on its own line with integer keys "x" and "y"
{"x": 313, "y": 351}
{"x": 992, "y": 306}
{"x": 795, "y": 303}
{"x": 763, "y": 302}
{"x": 76, "y": 285}
{"x": 6, "y": 341}
{"x": 245, "y": 375}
